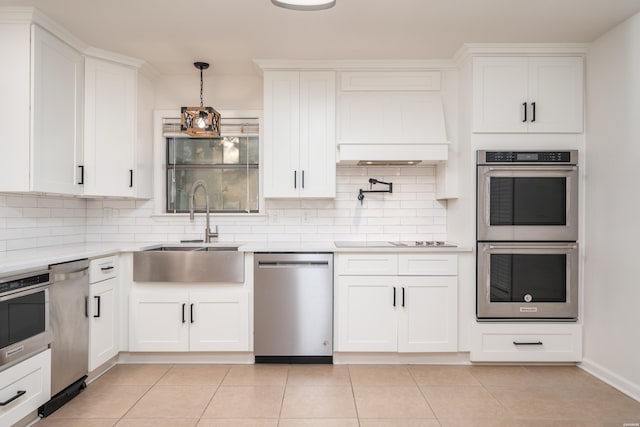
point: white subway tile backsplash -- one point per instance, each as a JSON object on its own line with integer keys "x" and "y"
{"x": 409, "y": 213}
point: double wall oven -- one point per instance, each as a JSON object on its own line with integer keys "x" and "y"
{"x": 527, "y": 232}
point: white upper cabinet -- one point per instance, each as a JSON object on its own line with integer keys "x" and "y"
{"x": 41, "y": 104}
{"x": 299, "y": 134}
{"x": 528, "y": 94}
{"x": 110, "y": 128}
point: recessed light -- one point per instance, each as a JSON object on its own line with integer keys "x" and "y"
{"x": 305, "y": 4}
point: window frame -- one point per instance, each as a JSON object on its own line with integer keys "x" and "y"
{"x": 160, "y": 163}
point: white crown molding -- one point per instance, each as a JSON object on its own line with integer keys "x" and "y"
{"x": 469, "y": 50}
{"x": 31, "y": 15}
{"x": 143, "y": 67}
{"x": 353, "y": 65}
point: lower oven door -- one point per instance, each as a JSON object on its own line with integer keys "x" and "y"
{"x": 518, "y": 280}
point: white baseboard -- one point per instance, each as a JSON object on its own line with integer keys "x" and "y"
{"x": 401, "y": 358}
{"x": 185, "y": 358}
{"x": 614, "y": 380}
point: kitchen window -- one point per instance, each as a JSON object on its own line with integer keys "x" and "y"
{"x": 228, "y": 164}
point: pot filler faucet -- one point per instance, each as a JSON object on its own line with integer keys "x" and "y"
{"x": 207, "y": 231}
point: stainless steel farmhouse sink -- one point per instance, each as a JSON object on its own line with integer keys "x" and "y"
{"x": 189, "y": 264}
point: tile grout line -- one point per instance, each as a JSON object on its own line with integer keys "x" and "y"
{"x": 213, "y": 395}
{"x": 435, "y": 416}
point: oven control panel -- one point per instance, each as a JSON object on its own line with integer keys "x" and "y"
{"x": 509, "y": 157}
{"x": 19, "y": 283}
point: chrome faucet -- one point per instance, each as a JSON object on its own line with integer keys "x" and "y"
{"x": 207, "y": 231}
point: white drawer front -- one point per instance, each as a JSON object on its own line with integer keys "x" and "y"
{"x": 103, "y": 268}
{"x": 33, "y": 377}
{"x": 551, "y": 343}
{"x": 428, "y": 265}
{"x": 367, "y": 264}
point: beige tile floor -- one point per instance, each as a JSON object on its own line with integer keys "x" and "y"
{"x": 346, "y": 396}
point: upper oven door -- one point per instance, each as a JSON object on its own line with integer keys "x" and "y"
{"x": 527, "y": 203}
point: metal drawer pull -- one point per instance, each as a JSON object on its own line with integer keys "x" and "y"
{"x": 111, "y": 267}
{"x": 18, "y": 394}
{"x": 527, "y": 343}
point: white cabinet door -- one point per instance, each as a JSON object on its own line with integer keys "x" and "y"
{"x": 103, "y": 326}
{"x": 556, "y": 87}
{"x": 500, "y": 94}
{"x": 158, "y": 320}
{"x": 317, "y": 134}
{"x": 219, "y": 321}
{"x": 366, "y": 318}
{"x": 299, "y": 134}
{"x": 521, "y": 94}
{"x": 110, "y": 128}
{"x": 57, "y": 114}
{"x": 281, "y": 133}
{"x": 428, "y": 316}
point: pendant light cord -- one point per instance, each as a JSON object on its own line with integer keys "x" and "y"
{"x": 201, "y": 88}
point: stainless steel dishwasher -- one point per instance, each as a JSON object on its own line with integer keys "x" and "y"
{"x": 293, "y": 307}
{"x": 70, "y": 328}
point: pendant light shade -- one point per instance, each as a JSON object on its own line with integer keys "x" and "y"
{"x": 201, "y": 122}
{"x": 305, "y": 4}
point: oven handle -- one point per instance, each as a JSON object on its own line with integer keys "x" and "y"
{"x": 534, "y": 168}
{"x": 568, "y": 246}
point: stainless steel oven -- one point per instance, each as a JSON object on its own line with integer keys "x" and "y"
{"x": 24, "y": 315}
{"x": 527, "y": 196}
{"x": 527, "y": 233}
{"x": 527, "y": 280}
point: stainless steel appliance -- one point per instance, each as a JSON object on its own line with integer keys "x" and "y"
{"x": 518, "y": 280}
{"x": 527, "y": 195}
{"x": 527, "y": 232}
{"x": 70, "y": 327}
{"x": 293, "y": 307}
{"x": 24, "y": 315}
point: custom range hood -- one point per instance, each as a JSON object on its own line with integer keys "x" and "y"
{"x": 408, "y": 129}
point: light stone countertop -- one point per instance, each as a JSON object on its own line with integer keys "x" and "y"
{"x": 30, "y": 259}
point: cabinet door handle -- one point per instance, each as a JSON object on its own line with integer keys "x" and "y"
{"x": 130, "y": 178}
{"x": 524, "y": 110}
{"x": 183, "y": 319}
{"x": 303, "y": 179}
{"x": 81, "y": 182}
{"x": 403, "y": 296}
{"x": 295, "y": 179}
{"x": 527, "y": 343}
{"x": 533, "y": 112}
{"x": 97, "y": 298}
{"x": 394, "y": 296}
{"x": 18, "y": 394}
{"x": 191, "y": 313}
{"x": 107, "y": 268}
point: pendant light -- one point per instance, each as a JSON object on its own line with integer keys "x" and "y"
{"x": 200, "y": 122}
{"x": 305, "y": 4}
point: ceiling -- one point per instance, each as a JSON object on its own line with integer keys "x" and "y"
{"x": 171, "y": 34}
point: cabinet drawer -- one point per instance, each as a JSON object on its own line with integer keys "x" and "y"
{"x": 31, "y": 380}
{"x": 427, "y": 265}
{"x": 527, "y": 343}
{"x": 367, "y": 264}
{"x": 389, "y": 81}
{"x": 103, "y": 268}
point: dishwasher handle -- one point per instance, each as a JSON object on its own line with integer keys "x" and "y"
{"x": 292, "y": 264}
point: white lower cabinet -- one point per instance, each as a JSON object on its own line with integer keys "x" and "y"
{"x": 524, "y": 342}
{"x": 103, "y": 311}
{"x": 25, "y": 387}
{"x": 408, "y": 303}
{"x": 172, "y": 318}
